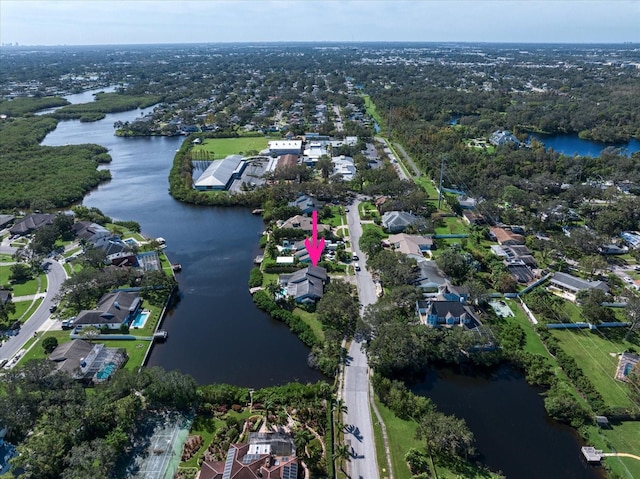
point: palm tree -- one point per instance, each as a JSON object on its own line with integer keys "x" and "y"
{"x": 342, "y": 453}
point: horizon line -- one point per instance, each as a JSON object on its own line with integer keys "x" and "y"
{"x": 321, "y": 42}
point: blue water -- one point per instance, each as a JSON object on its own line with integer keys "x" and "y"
{"x": 571, "y": 144}
{"x": 106, "y": 371}
{"x": 141, "y": 318}
{"x": 627, "y": 369}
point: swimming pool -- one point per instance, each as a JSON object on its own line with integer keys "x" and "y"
{"x": 140, "y": 319}
{"x": 106, "y": 371}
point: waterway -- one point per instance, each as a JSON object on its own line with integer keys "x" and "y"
{"x": 216, "y": 334}
{"x": 512, "y": 430}
{"x": 76, "y": 98}
{"x": 572, "y": 144}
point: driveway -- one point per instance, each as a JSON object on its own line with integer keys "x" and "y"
{"x": 358, "y": 423}
{"x": 55, "y": 276}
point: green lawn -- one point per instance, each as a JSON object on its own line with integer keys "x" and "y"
{"x": 368, "y": 211}
{"x": 534, "y": 343}
{"x": 452, "y": 225}
{"x": 596, "y": 353}
{"x": 135, "y": 349}
{"x": 370, "y": 226}
{"x": 36, "y": 352}
{"x": 428, "y": 186}
{"x": 337, "y": 218}
{"x": 311, "y": 319}
{"x": 219, "y": 148}
{"x": 26, "y": 288}
{"x": 401, "y": 435}
{"x": 621, "y": 437}
{"x": 372, "y": 112}
{"x": 26, "y": 308}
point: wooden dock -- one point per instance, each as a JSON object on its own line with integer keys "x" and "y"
{"x": 591, "y": 454}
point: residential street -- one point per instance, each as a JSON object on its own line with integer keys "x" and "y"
{"x": 358, "y": 423}
{"x": 55, "y": 276}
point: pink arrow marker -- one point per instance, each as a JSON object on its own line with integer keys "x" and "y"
{"x": 314, "y": 245}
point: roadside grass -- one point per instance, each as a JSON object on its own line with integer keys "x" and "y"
{"x": 36, "y": 352}
{"x": 71, "y": 252}
{"x": 368, "y": 211}
{"x": 401, "y": 435}
{"x": 219, "y": 148}
{"x": 337, "y": 217}
{"x": 28, "y": 287}
{"x": 621, "y": 437}
{"x": 370, "y": 226}
{"x": 311, "y": 319}
{"x": 428, "y": 186}
{"x": 24, "y": 309}
{"x": 5, "y": 271}
{"x": 5, "y": 258}
{"x": 597, "y": 355}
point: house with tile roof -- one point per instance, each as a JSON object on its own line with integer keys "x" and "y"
{"x": 265, "y": 456}
{"x": 31, "y": 223}
{"x": 304, "y": 223}
{"x": 411, "y": 244}
{"x": 569, "y": 286}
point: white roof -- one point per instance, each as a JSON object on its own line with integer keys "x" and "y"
{"x": 285, "y": 144}
{"x": 285, "y": 260}
{"x": 219, "y": 172}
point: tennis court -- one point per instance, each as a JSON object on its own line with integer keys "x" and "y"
{"x": 158, "y": 449}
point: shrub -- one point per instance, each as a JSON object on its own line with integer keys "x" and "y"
{"x": 49, "y": 344}
{"x": 255, "y": 278}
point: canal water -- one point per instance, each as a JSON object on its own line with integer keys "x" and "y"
{"x": 507, "y": 416}
{"x": 572, "y": 144}
{"x": 216, "y": 334}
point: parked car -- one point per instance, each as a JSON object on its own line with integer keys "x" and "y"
{"x": 356, "y": 266}
{"x": 53, "y": 308}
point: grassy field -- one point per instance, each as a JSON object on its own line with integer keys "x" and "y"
{"x": 372, "y": 112}
{"x": 312, "y": 320}
{"x": 621, "y": 437}
{"x": 534, "y": 344}
{"x": 36, "y": 352}
{"x": 24, "y": 309}
{"x": 219, "y": 148}
{"x": 135, "y": 350}
{"x": 452, "y": 225}
{"x": 368, "y": 211}
{"x": 370, "y": 226}
{"x": 596, "y": 353}
{"x": 401, "y": 436}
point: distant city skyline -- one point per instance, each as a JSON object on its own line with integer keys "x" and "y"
{"x": 75, "y": 22}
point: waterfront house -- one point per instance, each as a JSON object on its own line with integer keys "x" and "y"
{"x": 503, "y": 137}
{"x": 303, "y": 223}
{"x": 305, "y": 285}
{"x": 88, "y": 362}
{"x": 220, "y": 174}
{"x": 450, "y": 313}
{"x": 265, "y": 456}
{"x": 113, "y": 310}
{"x": 31, "y": 223}
{"x": 307, "y": 204}
{"x": 90, "y": 232}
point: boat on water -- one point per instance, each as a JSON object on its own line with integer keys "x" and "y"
{"x": 176, "y": 267}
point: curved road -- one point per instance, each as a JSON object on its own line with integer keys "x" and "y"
{"x": 55, "y": 276}
{"x": 357, "y": 420}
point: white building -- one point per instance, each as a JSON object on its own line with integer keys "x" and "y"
{"x": 344, "y": 166}
{"x": 285, "y": 147}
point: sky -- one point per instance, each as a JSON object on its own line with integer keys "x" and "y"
{"x": 94, "y": 22}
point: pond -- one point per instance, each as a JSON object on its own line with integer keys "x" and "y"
{"x": 572, "y": 144}
{"x": 507, "y": 416}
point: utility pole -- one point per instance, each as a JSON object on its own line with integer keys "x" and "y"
{"x": 440, "y": 187}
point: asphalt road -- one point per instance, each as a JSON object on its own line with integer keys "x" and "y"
{"x": 55, "y": 276}
{"x": 358, "y": 423}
